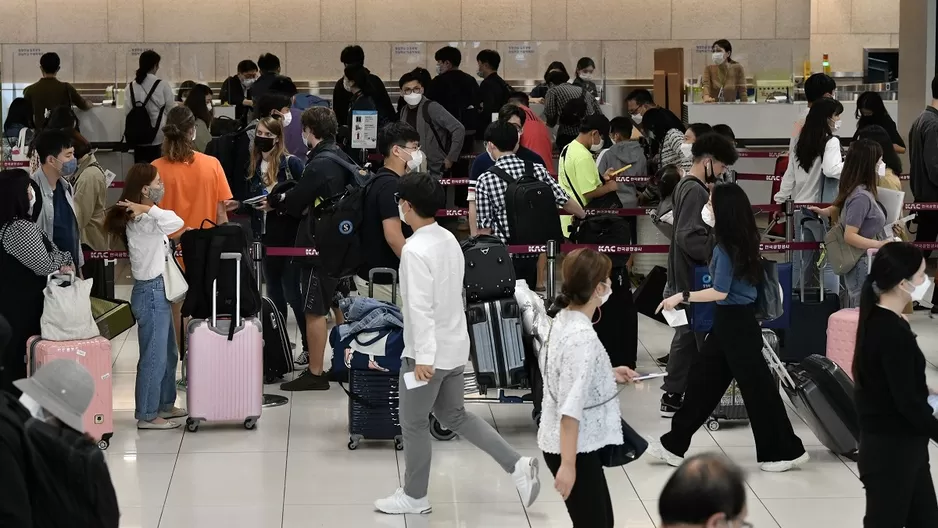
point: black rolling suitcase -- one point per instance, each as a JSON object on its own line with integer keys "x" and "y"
{"x": 810, "y": 310}
{"x": 822, "y": 395}
{"x": 495, "y": 343}
{"x": 490, "y": 273}
{"x": 278, "y": 357}
{"x": 374, "y": 399}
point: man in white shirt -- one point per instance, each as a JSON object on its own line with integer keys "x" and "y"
{"x": 436, "y": 346}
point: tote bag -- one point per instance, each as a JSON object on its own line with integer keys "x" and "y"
{"x": 66, "y": 313}
{"x": 174, "y": 281}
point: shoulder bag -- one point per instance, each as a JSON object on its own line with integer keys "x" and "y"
{"x": 613, "y": 455}
{"x": 842, "y": 256}
{"x": 174, "y": 281}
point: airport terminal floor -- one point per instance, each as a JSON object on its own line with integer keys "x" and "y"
{"x": 295, "y": 471}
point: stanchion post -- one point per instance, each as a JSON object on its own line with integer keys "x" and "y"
{"x": 789, "y": 225}
{"x": 551, "y": 282}
{"x": 257, "y": 255}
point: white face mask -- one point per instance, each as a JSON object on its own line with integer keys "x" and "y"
{"x": 194, "y": 134}
{"x": 686, "y": 149}
{"x": 492, "y": 156}
{"x": 346, "y": 85}
{"x": 415, "y": 161}
{"x": 400, "y": 212}
{"x": 918, "y": 292}
{"x": 586, "y": 76}
{"x": 637, "y": 118}
{"x": 413, "y": 99}
{"x": 605, "y": 297}
{"x": 596, "y": 147}
{"x": 880, "y": 169}
{"x": 287, "y": 119}
{"x": 706, "y": 214}
{"x": 719, "y": 57}
{"x": 837, "y": 125}
{"x": 247, "y": 83}
{"x": 33, "y": 407}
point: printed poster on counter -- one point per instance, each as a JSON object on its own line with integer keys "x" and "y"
{"x": 364, "y": 129}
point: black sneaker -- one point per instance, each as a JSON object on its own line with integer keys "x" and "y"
{"x": 306, "y": 381}
{"x": 663, "y": 360}
{"x": 670, "y": 403}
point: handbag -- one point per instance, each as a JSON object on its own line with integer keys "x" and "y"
{"x": 611, "y": 455}
{"x": 842, "y": 256}
{"x": 174, "y": 280}
{"x": 770, "y": 298}
{"x": 66, "y": 312}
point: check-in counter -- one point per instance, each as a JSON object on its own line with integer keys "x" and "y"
{"x": 754, "y": 120}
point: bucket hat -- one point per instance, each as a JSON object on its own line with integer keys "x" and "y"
{"x": 63, "y": 388}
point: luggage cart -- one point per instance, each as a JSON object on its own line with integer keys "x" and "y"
{"x": 477, "y": 395}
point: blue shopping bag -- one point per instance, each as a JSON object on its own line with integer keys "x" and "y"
{"x": 700, "y": 315}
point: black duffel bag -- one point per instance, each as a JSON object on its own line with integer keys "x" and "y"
{"x": 607, "y": 230}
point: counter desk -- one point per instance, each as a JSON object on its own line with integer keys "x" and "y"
{"x": 764, "y": 121}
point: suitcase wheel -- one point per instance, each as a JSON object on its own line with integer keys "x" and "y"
{"x": 353, "y": 442}
{"x": 439, "y": 431}
{"x": 103, "y": 444}
{"x": 192, "y": 425}
{"x": 250, "y": 423}
{"x": 399, "y": 443}
{"x": 713, "y": 424}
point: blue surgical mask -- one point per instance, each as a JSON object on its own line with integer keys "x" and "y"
{"x": 69, "y": 167}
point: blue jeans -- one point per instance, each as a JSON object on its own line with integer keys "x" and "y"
{"x": 155, "y": 391}
{"x": 854, "y": 280}
{"x": 283, "y": 288}
{"x": 812, "y": 232}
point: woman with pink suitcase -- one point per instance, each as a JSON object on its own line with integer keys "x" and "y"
{"x": 27, "y": 256}
{"x": 144, "y": 227}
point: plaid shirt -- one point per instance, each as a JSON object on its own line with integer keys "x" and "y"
{"x": 557, "y": 97}
{"x": 490, "y": 194}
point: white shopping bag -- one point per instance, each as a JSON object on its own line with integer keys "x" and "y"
{"x": 66, "y": 314}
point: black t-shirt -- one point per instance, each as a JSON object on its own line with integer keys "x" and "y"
{"x": 380, "y": 206}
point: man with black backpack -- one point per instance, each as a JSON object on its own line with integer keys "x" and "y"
{"x": 517, "y": 200}
{"x": 327, "y": 175}
{"x": 567, "y": 105}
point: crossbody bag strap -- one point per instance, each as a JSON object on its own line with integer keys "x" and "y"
{"x": 563, "y": 163}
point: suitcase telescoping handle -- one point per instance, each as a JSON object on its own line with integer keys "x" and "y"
{"x": 382, "y": 271}
{"x": 236, "y": 316}
{"x": 802, "y": 280}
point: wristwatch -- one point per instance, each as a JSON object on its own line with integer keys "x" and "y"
{"x": 686, "y": 296}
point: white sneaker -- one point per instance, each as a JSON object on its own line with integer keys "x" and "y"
{"x": 658, "y": 451}
{"x": 525, "y": 477}
{"x": 400, "y": 503}
{"x": 784, "y": 465}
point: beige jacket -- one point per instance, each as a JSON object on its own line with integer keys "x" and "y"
{"x": 90, "y": 198}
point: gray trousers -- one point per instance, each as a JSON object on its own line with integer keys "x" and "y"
{"x": 443, "y": 395}
{"x": 684, "y": 346}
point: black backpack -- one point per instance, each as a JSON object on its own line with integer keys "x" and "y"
{"x": 336, "y": 223}
{"x": 138, "y": 129}
{"x": 201, "y": 252}
{"x": 233, "y": 151}
{"x": 530, "y": 207}
{"x": 574, "y": 110}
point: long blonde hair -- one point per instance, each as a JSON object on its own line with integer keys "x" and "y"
{"x": 177, "y": 135}
{"x": 275, "y": 127}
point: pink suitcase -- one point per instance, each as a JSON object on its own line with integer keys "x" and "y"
{"x": 225, "y": 378}
{"x": 95, "y": 355}
{"x": 842, "y": 338}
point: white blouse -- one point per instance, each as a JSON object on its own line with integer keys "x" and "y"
{"x": 148, "y": 244}
{"x": 579, "y": 375}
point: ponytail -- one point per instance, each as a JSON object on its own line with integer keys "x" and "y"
{"x": 868, "y": 300}
{"x": 149, "y": 59}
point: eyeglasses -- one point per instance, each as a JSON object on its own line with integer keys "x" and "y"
{"x": 409, "y": 91}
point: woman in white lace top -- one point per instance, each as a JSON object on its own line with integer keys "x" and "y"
{"x": 580, "y": 411}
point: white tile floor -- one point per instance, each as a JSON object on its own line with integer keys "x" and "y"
{"x": 294, "y": 470}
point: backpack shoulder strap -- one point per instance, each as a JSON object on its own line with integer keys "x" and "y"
{"x": 426, "y": 119}
{"x": 501, "y": 173}
{"x": 133, "y": 98}
{"x": 151, "y": 92}
{"x": 348, "y": 165}
{"x": 563, "y": 159}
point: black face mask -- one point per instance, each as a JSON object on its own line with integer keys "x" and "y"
{"x": 265, "y": 144}
{"x": 709, "y": 176}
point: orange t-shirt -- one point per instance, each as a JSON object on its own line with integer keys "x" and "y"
{"x": 536, "y": 138}
{"x": 193, "y": 190}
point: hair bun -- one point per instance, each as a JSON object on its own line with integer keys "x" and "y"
{"x": 171, "y": 130}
